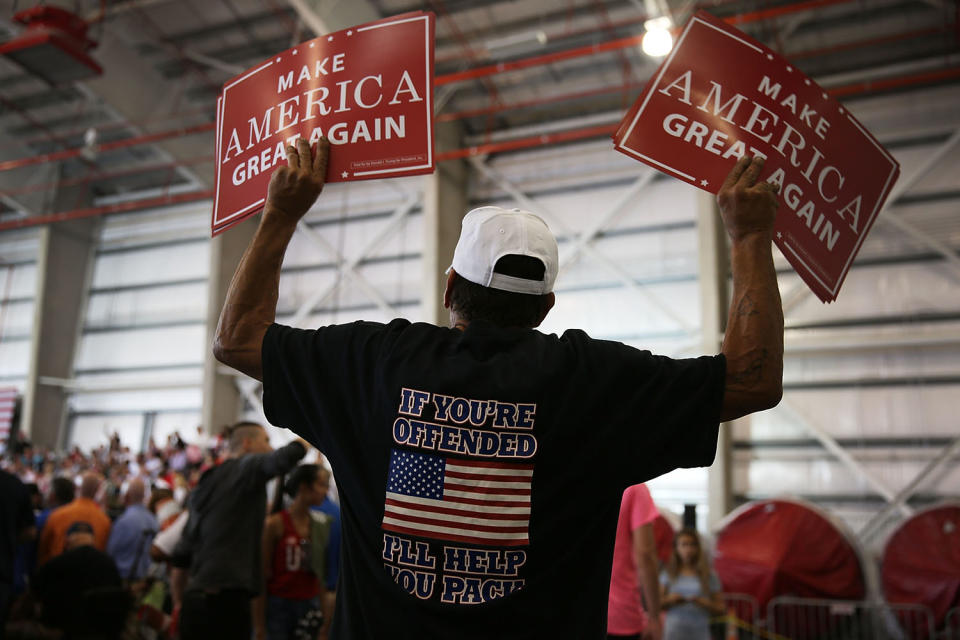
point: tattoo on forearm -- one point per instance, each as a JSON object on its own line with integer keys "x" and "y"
{"x": 746, "y": 307}
{"x": 752, "y": 370}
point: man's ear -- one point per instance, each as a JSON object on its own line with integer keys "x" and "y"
{"x": 551, "y": 300}
{"x": 446, "y": 292}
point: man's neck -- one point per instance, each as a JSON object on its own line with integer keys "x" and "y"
{"x": 456, "y": 322}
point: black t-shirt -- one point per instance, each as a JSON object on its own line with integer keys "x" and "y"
{"x": 16, "y": 514}
{"x": 480, "y": 472}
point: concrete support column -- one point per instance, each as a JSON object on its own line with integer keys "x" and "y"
{"x": 444, "y": 205}
{"x": 222, "y": 401}
{"x": 64, "y": 270}
{"x": 714, "y": 304}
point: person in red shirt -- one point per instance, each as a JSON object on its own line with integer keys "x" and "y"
{"x": 293, "y": 590}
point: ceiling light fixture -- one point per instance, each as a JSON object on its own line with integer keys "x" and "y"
{"x": 516, "y": 42}
{"x": 52, "y": 46}
{"x": 657, "y": 41}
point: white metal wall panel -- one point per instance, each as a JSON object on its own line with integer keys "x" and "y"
{"x": 911, "y": 411}
{"x": 174, "y": 223}
{"x": 151, "y": 265}
{"x": 18, "y": 283}
{"x": 14, "y": 361}
{"x": 20, "y": 245}
{"x": 154, "y": 304}
{"x": 18, "y": 280}
{"x": 90, "y": 432}
{"x": 396, "y": 280}
{"x": 166, "y": 378}
{"x": 139, "y": 401}
{"x": 812, "y": 474}
{"x": 614, "y": 313}
{"x": 167, "y": 423}
{"x": 166, "y": 346}
{"x": 350, "y": 237}
{"x": 16, "y": 320}
{"x": 876, "y": 291}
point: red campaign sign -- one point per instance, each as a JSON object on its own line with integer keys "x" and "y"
{"x": 720, "y": 95}
{"x": 368, "y": 89}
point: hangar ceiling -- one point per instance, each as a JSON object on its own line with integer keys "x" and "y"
{"x": 141, "y": 134}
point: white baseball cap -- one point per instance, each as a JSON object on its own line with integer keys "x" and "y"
{"x": 489, "y": 233}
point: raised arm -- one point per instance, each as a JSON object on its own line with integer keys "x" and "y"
{"x": 251, "y": 303}
{"x": 753, "y": 343}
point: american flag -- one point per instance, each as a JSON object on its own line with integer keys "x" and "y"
{"x": 458, "y": 500}
{"x": 8, "y": 397}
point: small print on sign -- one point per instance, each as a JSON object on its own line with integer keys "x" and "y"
{"x": 721, "y": 95}
{"x": 368, "y": 89}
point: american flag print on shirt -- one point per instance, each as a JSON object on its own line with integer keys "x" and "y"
{"x": 458, "y": 500}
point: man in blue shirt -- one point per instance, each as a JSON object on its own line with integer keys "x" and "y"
{"x": 132, "y": 535}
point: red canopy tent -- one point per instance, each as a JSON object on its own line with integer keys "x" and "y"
{"x": 921, "y": 561}
{"x": 787, "y": 548}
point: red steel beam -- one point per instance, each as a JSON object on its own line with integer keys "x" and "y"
{"x": 847, "y": 90}
{"x": 856, "y": 44}
{"x": 103, "y": 175}
{"x": 458, "y": 77}
{"x": 885, "y": 84}
{"x": 89, "y": 212}
{"x": 494, "y": 147}
{"x": 785, "y": 10}
{"x": 622, "y": 43}
{"x": 106, "y": 146}
{"x": 565, "y": 35}
{"x": 532, "y": 141}
{"x": 470, "y": 113}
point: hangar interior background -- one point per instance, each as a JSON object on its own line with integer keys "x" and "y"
{"x": 110, "y": 283}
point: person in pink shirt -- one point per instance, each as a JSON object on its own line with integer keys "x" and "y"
{"x": 633, "y": 609}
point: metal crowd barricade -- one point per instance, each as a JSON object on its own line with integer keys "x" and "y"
{"x": 813, "y": 619}
{"x": 951, "y": 624}
{"x": 741, "y": 618}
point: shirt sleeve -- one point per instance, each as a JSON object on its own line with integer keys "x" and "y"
{"x": 665, "y": 411}
{"x": 644, "y": 511}
{"x": 260, "y": 467}
{"x": 320, "y": 379}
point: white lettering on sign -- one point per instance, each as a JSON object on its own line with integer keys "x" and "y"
{"x": 339, "y": 133}
{"x": 336, "y": 64}
{"x": 766, "y": 125}
{"x": 347, "y": 95}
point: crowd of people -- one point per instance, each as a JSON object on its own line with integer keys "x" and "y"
{"x": 113, "y": 544}
{"x": 105, "y": 548}
{"x": 453, "y": 446}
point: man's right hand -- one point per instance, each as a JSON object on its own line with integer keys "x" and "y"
{"x": 294, "y": 188}
{"x": 747, "y": 206}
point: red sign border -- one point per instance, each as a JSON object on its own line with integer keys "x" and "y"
{"x": 708, "y": 20}
{"x": 218, "y": 225}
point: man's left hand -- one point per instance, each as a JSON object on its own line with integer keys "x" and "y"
{"x": 293, "y": 189}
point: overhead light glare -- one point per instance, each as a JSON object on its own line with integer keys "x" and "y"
{"x": 516, "y": 41}
{"x": 657, "y": 41}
